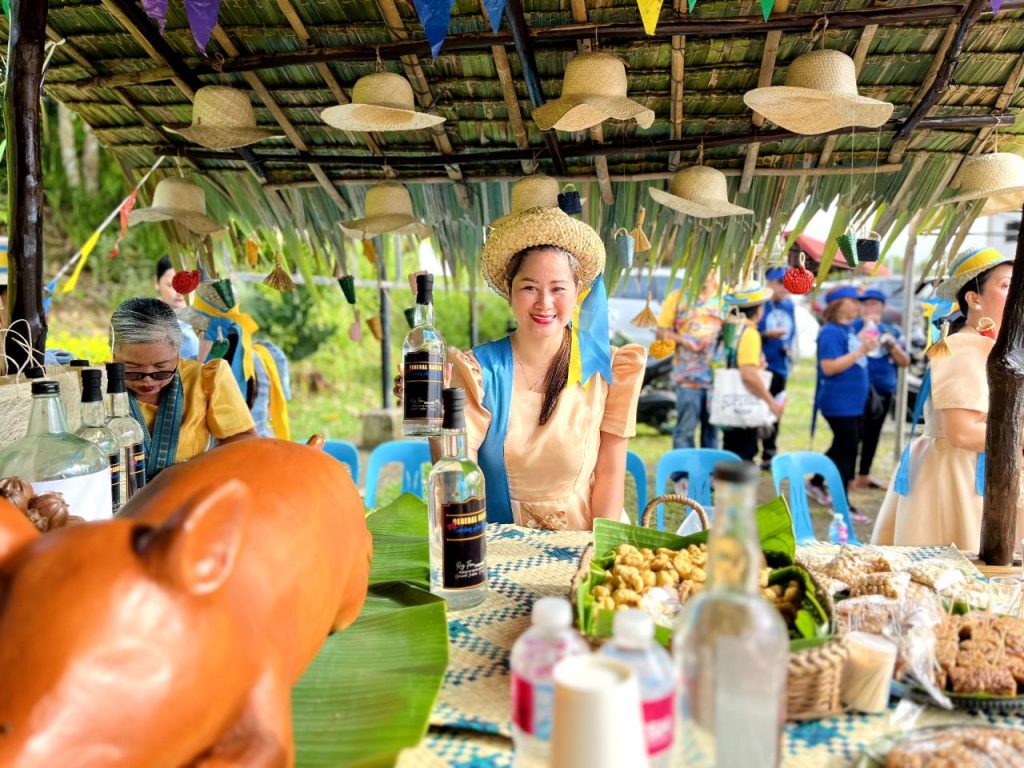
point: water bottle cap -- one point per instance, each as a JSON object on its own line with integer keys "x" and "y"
{"x": 552, "y": 613}
{"x": 633, "y": 628}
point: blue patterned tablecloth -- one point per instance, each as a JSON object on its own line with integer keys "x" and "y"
{"x": 470, "y": 723}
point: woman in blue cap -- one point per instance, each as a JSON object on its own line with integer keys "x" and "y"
{"x": 778, "y": 333}
{"x": 882, "y": 365}
{"x": 842, "y": 385}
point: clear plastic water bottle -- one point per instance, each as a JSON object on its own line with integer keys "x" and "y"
{"x": 633, "y": 644}
{"x": 534, "y": 656}
{"x": 838, "y": 533}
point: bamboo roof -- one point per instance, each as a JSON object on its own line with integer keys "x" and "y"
{"x": 298, "y": 57}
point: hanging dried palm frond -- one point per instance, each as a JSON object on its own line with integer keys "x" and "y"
{"x": 278, "y": 279}
{"x": 642, "y": 243}
{"x": 940, "y": 350}
{"x": 646, "y": 318}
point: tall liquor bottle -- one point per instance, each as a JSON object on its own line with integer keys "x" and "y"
{"x": 128, "y": 432}
{"x": 52, "y": 459}
{"x": 731, "y": 645}
{"x": 458, "y": 514}
{"x": 423, "y": 356}
{"x": 94, "y": 416}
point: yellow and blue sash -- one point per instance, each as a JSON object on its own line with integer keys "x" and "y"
{"x": 497, "y": 369}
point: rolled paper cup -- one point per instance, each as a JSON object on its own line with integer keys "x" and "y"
{"x": 410, "y": 316}
{"x": 848, "y": 245}
{"x": 348, "y": 287}
{"x": 570, "y": 202}
{"x": 355, "y": 331}
{"x": 868, "y": 249}
{"x": 226, "y": 293}
{"x": 868, "y": 672}
{"x": 626, "y": 245}
{"x": 597, "y": 721}
{"x": 729, "y": 331}
{"x": 375, "y": 327}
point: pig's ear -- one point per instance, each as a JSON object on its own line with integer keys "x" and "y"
{"x": 196, "y": 549}
{"x": 15, "y": 530}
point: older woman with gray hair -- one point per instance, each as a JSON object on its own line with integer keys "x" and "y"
{"x": 182, "y": 405}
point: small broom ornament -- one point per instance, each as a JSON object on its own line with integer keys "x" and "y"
{"x": 278, "y": 279}
{"x": 646, "y": 318}
{"x": 642, "y": 244}
{"x": 940, "y": 350}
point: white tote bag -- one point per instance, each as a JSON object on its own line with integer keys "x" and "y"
{"x": 733, "y": 405}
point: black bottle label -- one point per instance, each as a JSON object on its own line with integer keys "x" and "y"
{"x": 115, "y": 480}
{"x": 424, "y": 380}
{"x": 136, "y": 467}
{"x": 465, "y": 548}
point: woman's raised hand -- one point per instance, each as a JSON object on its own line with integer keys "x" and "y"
{"x": 398, "y": 389}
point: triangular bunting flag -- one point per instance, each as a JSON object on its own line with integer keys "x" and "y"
{"x": 690, "y": 4}
{"x": 202, "y": 17}
{"x": 766, "y": 8}
{"x": 434, "y": 16}
{"x": 996, "y": 5}
{"x": 495, "y": 10}
{"x": 650, "y": 11}
{"x": 157, "y": 11}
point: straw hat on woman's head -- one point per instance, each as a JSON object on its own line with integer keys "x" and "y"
{"x": 699, "y": 191}
{"x": 593, "y": 90}
{"x": 998, "y": 176}
{"x": 966, "y": 267}
{"x": 223, "y": 118}
{"x": 820, "y": 95}
{"x": 177, "y": 200}
{"x": 380, "y": 102}
{"x": 751, "y": 294}
{"x": 388, "y": 209}
{"x": 536, "y": 227}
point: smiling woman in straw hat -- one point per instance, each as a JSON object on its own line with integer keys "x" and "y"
{"x": 380, "y": 102}
{"x": 553, "y": 451}
{"x": 699, "y": 191}
{"x": 223, "y": 118}
{"x": 936, "y": 495}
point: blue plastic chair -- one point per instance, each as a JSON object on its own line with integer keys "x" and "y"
{"x": 636, "y": 467}
{"x": 347, "y": 454}
{"x": 698, "y": 464}
{"x": 795, "y": 467}
{"x": 411, "y": 454}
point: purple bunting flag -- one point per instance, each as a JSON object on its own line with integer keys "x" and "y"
{"x": 157, "y": 11}
{"x": 495, "y": 10}
{"x": 202, "y": 17}
{"x": 434, "y": 16}
{"x": 996, "y": 5}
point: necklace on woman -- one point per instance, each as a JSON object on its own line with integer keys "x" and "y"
{"x": 530, "y": 386}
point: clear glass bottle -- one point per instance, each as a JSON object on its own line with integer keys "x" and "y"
{"x": 128, "y": 432}
{"x": 731, "y": 646}
{"x": 50, "y": 458}
{"x": 423, "y": 358}
{"x": 94, "y": 416}
{"x": 458, "y": 515}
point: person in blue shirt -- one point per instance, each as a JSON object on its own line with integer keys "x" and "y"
{"x": 778, "y": 334}
{"x": 882, "y": 365}
{"x": 164, "y": 275}
{"x": 842, "y": 385}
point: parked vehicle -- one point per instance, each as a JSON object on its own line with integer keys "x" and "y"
{"x": 657, "y": 404}
{"x": 629, "y": 299}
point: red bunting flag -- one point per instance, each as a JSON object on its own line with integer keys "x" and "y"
{"x": 126, "y": 208}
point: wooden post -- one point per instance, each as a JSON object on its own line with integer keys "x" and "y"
{"x": 386, "y": 375}
{"x": 23, "y": 124}
{"x": 1003, "y": 438}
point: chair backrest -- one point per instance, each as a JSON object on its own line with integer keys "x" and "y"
{"x": 794, "y": 468}
{"x": 347, "y": 454}
{"x": 411, "y": 454}
{"x": 698, "y": 464}
{"x": 636, "y": 467}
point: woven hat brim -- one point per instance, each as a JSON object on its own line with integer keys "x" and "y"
{"x": 1007, "y": 191}
{"x": 808, "y": 111}
{"x": 950, "y": 287}
{"x": 577, "y": 113}
{"x": 541, "y": 226}
{"x": 223, "y": 138}
{"x": 192, "y": 221}
{"x": 3, "y": 275}
{"x": 698, "y": 208}
{"x": 397, "y": 223}
{"x": 1003, "y": 202}
{"x": 356, "y": 117}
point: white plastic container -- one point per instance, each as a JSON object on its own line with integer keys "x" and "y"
{"x": 633, "y": 644}
{"x": 534, "y": 656}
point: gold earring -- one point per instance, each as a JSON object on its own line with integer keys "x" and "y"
{"x": 984, "y": 325}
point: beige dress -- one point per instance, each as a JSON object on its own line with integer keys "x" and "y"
{"x": 551, "y": 468}
{"x": 943, "y": 506}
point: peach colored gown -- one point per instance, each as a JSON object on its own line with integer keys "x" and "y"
{"x": 551, "y": 468}
{"x": 943, "y": 506}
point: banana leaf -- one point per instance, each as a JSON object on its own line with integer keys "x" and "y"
{"x": 400, "y": 542}
{"x": 369, "y": 693}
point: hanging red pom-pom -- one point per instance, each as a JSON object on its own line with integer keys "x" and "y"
{"x": 185, "y": 282}
{"x": 798, "y": 280}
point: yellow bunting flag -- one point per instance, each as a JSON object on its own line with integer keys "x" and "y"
{"x": 88, "y": 248}
{"x": 650, "y": 11}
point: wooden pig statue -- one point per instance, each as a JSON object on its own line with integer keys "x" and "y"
{"x": 172, "y": 635}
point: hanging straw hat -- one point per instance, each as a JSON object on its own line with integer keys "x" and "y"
{"x": 177, "y": 200}
{"x": 998, "y": 176}
{"x": 535, "y": 227}
{"x": 535, "y": 191}
{"x": 966, "y": 267}
{"x": 388, "y": 209}
{"x": 593, "y": 90}
{"x": 380, "y": 102}
{"x": 699, "y": 191}
{"x": 223, "y": 118}
{"x": 750, "y": 295}
{"x": 820, "y": 95}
